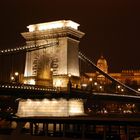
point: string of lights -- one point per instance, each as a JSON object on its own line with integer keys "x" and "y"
{"x": 27, "y": 87}
{"x": 28, "y": 48}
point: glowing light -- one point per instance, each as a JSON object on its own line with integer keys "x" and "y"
{"x": 16, "y": 73}
{"x": 101, "y": 87}
{"x": 75, "y": 107}
{"x": 30, "y": 82}
{"x": 25, "y": 82}
{"x": 58, "y": 83}
{"x": 31, "y": 28}
{"x": 138, "y": 89}
{"x": 12, "y": 78}
{"x": 105, "y": 111}
{"x": 90, "y": 79}
{"x": 84, "y": 85}
{"x": 69, "y": 75}
{"x": 53, "y": 25}
{"x": 95, "y": 83}
{"x": 118, "y": 86}
{"x": 53, "y": 108}
{"x": 122, "y": 90}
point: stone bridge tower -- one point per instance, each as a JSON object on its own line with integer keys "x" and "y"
{"x": 55, "y": 53}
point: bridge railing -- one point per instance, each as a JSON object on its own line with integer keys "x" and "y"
{"x": 27, "y": 87}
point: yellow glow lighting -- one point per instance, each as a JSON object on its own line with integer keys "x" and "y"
{"x": 53, "y": 25}
{"x": 58, "y": 83}
{"x": 51, "y": 69}
{"x": 122, "y": 90}
{"x": 84, "y": 85}
{"x": 95, "y": 83}
{"x": 69, "y": 75}
{"x": 30, "y": 82}
{"x": 75, "y": 107}
{"x": 25, "y": 82}
{"x": 50, "y": 108}
{"x": 12, "y": 78}
{"x": 101, "y": 87}
{"x": 16, "y": 73}
{"x": 119, "y": 86}
{"x": 90, "y": 79}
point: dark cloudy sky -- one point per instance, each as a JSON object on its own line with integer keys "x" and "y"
{"x": 112, "y": 27}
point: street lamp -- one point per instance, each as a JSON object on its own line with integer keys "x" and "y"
{"x": 16, "y": 73}
{"x": 16, "y": 77}
{"x": 90, "y": 84}
{"x": 12, "y": 79}
{"x": 90, "y": 79}
{"x": 95, "y": 83}
{"x": 100, "y": 88}
{"x": 51, "y": 76}
{"x": 122, "y": 90}
{"x": 95, "y": 86}
{"x": 118, "y": 88}
{"x": 69, "y": 83}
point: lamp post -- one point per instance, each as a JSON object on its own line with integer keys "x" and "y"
{"x": 69, "y": 83}
{"x": 16, "y": 77}
{"x": 90, "y": 84}
{"x": 51, "y": 76}
{"x": 118, "y": 88}
{"x": 90, "y": 79}
{"x": 95, "y": 84}
{"x": 12, "y": 79}
{"x": 101, "y": 88}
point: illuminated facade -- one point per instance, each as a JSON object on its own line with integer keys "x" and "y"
{"x": 102, "y": 64}
{"x": 129, "y": 77}
{"x": 61, "y": 57}
{"x": 50, "y": 108}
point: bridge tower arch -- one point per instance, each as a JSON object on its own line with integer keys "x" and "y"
{"x": 61, "y": 57}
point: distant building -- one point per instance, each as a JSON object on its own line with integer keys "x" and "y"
{"x": 129, "y": 77}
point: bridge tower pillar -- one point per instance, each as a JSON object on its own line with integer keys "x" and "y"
{"x": 55, "y": 54}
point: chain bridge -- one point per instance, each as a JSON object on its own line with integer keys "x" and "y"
{"x": 46, "y": 78}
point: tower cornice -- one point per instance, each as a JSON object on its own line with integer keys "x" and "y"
{"x": 53, "y": 33}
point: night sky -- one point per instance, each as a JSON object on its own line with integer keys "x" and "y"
{"x": 112, "y": 27}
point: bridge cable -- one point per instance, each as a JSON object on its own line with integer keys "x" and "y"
{"x": 28, "y": 48}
